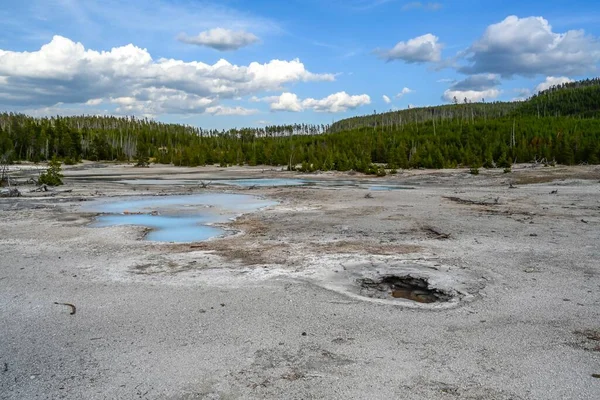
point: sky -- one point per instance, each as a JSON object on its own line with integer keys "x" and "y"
{"x": 235, "y": 63}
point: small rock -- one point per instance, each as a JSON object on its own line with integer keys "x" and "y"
{"x": 303, "y": 333}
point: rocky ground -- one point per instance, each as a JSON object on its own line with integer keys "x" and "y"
{"x": 297, "y": 304}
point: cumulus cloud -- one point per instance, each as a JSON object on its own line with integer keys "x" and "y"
{"x": 528, "y": 47}
{"x": 474, "y": 88}
{"x": 286, "y": 102}
{"x": 421, "y": 49}
{"x": 552, "y": 81}
{"x": 220, "y": 39}
{"x": 338, "y": 102}
{"x": 334, "y": 103}
{"x": 64, "y": 71}
{"x": 403, "y": 92}
{"x": 386, "y": 99}
{"x": 156, "y": 101}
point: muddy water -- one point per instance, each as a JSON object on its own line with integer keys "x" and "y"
{"x": 402, "y": 287}
{"x": 414, "y": 295}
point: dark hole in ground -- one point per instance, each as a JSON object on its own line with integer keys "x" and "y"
{"x": 402, "y": 287}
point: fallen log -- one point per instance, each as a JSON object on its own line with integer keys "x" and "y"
{"x": 41, "y": 188}
{"x": 10, "y": 192}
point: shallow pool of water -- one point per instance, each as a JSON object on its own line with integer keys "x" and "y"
{"x": 272, "y": 182}
{"x": 383, "y": 188}
{"x": 178, "y": 219}
{"x": 259, "y": 182}
{"x": 164, "y": 228}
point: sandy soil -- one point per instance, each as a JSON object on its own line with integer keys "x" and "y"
{"x": 277, "y": 310}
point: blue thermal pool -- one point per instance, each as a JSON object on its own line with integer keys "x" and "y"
{"x": 179, "y": 219}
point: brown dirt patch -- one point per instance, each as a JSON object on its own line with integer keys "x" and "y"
{"x": 590, "y": 339}
{"x": 545, "y": 175}
{"x": 346, "y": 246}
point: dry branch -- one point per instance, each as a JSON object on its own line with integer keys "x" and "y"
{"x": 436, "y": 233}
{"x": 73, "y": 309}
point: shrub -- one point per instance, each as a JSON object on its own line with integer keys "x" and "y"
{"x": 374, "y": 169}
{"x": 53, "y": 175}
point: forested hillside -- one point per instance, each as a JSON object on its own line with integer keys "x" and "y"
{"x": 561, "y": 124}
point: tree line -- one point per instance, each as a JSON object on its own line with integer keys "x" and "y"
{"x": 560, "y": 124}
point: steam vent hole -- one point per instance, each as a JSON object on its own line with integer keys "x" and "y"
{"x": 402, "y": 287}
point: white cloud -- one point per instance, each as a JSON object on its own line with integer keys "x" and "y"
{"x": 287, "y": 102}
{"x": 338, "y": 102}
{"x": 128, "y": 76}
{"x": 62, "y": 110}
{"x": 156, "y": 101}
{"x": 404, "y": 91}
{"x": 221, "y": 39}
{"x": 262, "y": 122}
{"x": 226, "y": 111}
{"x": 334, "y": 103}
{"x": 474, "y": 88}
{"x": 552, "y": 81}
{"x": 421, "y": 49}
{"x": 528, "y": 47}
{"x": 386, "y": 99}
{"x": 470, "y": 95}
{"x": 93, "y": 102}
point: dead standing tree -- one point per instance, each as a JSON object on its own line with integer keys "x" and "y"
{"x": 4, "y": 162}
{"x": 5, "y": 177}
